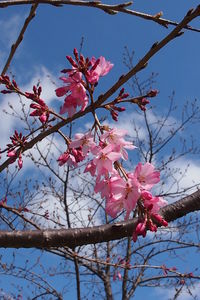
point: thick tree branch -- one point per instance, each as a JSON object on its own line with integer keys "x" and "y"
{"x": 107, "y": 8}
{"x": 92, "y": 235}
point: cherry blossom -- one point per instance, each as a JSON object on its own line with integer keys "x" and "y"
{"x": 76, "y": 94}
{"x": 86, "y": 141}
{"x": 115, "y": 137}
{"x": 105, "y": 159}
{"x": 152, "y": 203}
{"x": 126, "y": 193}
{"x": 40, "y": 110}
{"x": 100, "y": 67}
{"x": 72, "y": 157}
{"x": 146, "y": 175}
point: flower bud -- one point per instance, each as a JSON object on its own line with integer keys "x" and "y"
{"x": 152, "y": 93}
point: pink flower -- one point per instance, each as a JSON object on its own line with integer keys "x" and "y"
{"x": 67, "y": 158}
{"x": 115, "y": 137}
{"x": 158, "y": 203}
{"x": 12, "y": 154}
{"x": 105, "y": 159}
{"x": 152, "y": 203}
{"x": 117, "y": 274}
{"x": 71, "y": 103}
{"x": 86, "y": 141}
{"x": 74, "y": 85}
{"x": 20, "y": 161}
{"x": 108, "y": 187}
{"x": 132, "y": 194}
{"x": 123, "y": 195}
{"x": 76, "y": 93}
{"x": 100, "y": 67}
{"x": 141, "y": 229}
{"x": 71, "y": 157}
{"x": 40, "y": 110}
{"x": 114, "y": 206}
{"x": 146, "y": 175}
{"x": 91, "y": 168}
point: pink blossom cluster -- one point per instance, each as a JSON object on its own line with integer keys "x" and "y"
{"x": 41, "y": 110}
{"x": 17, "y": 141}
{"x": 122, "y": 190}
{"x": 104, "y": 147}
{"x": 85, "y": 73}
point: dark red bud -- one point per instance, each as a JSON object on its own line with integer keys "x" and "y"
{"x": 41, "y": 102}
{"x": 114, "y": 115}
{"x": 152, "y": 93}
{"x": 14, "y": 83}
{"x": 89, "y": 64}
{"x": 96, "y": 64}
{"x": 34, "y": 89}
{"x": 6, "y": 92}
{"x": 120, "y": 109}
{"x": 125, "y": 96}
{"x": 76, "y": 54}
{"x": 65, "y": 71}
{"x": 164, "y": 223}
{"x": 25, "y": 209}
{"x": 72, "y": 62}
{"x": 35, "y": 106}
{"x": 145, "y": 101}
{"x": 39, "y": 90}
{"x": 134, "y": 237}
{"x": 82, "y": 58}
{"x": 121, "y": 92}
{"x": 81, "y": 63}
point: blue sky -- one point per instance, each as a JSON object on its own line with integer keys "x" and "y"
{"x": 54, "y": 33}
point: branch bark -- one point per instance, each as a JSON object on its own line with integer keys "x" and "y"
{"x": 83, "y": 236}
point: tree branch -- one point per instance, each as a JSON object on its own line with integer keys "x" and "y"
{"x": 20, "y": 37}
{"x": 107, "y": 8}
{"x": 92, "y": 235}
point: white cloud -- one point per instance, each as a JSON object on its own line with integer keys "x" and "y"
{"x": 9, "y": 29}
{"x": 183, "y": 176}
{"x": 81, "y": 201}
{"x": 46, "y": 80}
{"x": 187, "y": 292}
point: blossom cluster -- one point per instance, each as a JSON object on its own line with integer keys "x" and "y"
{"x": 17, "y": 141}
{"x": 122, "y": 190}
{"x": 103, "y": 147}
{"x": 85, "y": 73}
{"x": 40, "y": 108}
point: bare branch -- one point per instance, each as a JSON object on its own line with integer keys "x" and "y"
{"x": 107, "y": 8}
{"x": 20, "y": 37}
{"x": 91, "y": 235}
